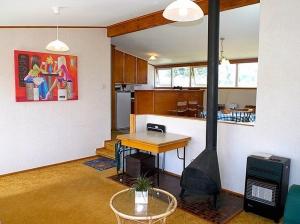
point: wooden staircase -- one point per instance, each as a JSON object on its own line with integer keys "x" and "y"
{"x": 109, "y": 145}
{"x": 108, "y": 150}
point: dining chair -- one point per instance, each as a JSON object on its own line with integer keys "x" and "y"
{"x": 193, "y": 109}
{"x": 181, "y": 108}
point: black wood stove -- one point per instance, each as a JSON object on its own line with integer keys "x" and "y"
{"x": 202, "y": 176}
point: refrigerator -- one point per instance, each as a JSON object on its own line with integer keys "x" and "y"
{"x": 123, "y": 109}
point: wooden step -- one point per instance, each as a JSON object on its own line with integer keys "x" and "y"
{"x": 110, "y": 144}
{"x": 106, "y": 152}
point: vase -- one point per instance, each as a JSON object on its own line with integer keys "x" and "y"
{"x": 141, "y": 197}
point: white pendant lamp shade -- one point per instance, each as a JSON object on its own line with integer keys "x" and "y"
{"x": 225, "y": 61}
{"x": 183, "y": 11}
{"x": 57, "y": 45}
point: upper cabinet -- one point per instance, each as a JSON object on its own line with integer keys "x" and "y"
{"x": 142, "y": 71}
{"x": 130, "y": 69}
{"x": 118, "y": 66}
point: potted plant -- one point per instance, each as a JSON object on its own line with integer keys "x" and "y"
{"x": 141, "y": 188}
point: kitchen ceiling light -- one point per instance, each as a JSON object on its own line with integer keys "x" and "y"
{"x": 183, "y": 11}
{"x": 152, "y": 58}
{"x": 57, "y": 45}
{"x": 223, "y": 59}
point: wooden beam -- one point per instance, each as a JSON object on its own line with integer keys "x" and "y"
{"x": 42, "y": 27}
{"x": 156, "y": 18}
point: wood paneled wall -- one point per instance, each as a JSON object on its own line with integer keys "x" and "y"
{"x": 162, "y": 101}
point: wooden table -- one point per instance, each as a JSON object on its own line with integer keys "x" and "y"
{"x": 155, "y": 142}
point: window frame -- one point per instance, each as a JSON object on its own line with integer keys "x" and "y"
{"x": 172, "y": 77}
{"x": 192, "y": 69}
{"x": 237, "y": 78}
{"x": 156, "y": 74}
{"x": 203, "y": 64}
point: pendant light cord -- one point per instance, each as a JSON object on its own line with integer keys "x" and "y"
{"x": 222, "y": 51}
{"x": 57, "y": 32}
{"x": 57, "y": 12}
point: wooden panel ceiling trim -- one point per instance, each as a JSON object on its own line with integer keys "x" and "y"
{"x": 40, "y": 27}
{"x": 156, "y": 18}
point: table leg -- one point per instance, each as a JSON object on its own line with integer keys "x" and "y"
{"x": 183, "y": 158}
{"x": 157, "y": 169}
{"x": 123, "y": 164}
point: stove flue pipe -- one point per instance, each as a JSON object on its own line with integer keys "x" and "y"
{"x": 213, "y": 73}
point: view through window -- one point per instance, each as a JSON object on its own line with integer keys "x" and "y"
{"x": 232, "y": 75}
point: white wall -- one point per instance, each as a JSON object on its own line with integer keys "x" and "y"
{"x": 278, "y": 105}
{"x": 41, "y": 133}
{"x": 234, "y": 145}
{"x": 194, "y": 128}
{"x": 241, "y": 97}
{"x": 277, "y": 128}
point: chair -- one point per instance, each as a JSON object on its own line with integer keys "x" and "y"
{"x": 251, "y": 107}
{"x": 221, "y": 107}
{"x": 292, "y": 206}
{"x": 225, "y": 115}
{"x": 193, "y": 109}
{"x": 232, "y": 106}
{"x": 181, "y": 108}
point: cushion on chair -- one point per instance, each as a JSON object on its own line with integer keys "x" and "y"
{"x": 292, "y": 206}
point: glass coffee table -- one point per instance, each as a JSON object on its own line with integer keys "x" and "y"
{"x": 160, "y": 205}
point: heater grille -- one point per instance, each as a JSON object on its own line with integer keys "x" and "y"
{"x": 263, "y": 192}
{"x": 266, "y": 185}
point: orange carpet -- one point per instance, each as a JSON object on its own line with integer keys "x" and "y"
{"x": 73, "y": 193}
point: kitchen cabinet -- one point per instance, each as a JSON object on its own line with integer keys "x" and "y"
{"x": 142, "y": 71}
{"x": 130, "y": 69}
{"x": 118, "y": 67}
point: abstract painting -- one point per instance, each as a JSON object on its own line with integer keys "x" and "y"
{"x": 45, "y": 76}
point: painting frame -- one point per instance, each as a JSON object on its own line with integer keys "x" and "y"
{"x": 42, "y": 76}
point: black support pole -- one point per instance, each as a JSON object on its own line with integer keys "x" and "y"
{"x": 213, "y": 73}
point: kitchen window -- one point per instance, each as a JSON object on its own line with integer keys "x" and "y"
{"x": 163, "y": 78}
{"x": 181, "y": 76}
{"x": 241, "y": 75}
{"x": 199, "y": 77}
{"x": 247, "y": 75}
{"x": 227, "y": 75}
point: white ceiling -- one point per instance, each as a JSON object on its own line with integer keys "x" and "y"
{"x": 76, "y": 12}
{"x": 187, "y": 42}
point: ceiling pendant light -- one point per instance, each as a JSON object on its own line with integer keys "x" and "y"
{"x": 223, "y": 59}
{"x": 152, "y": 58}
{"x": 57, "y": 45}
{"x": 183, "y": 11}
